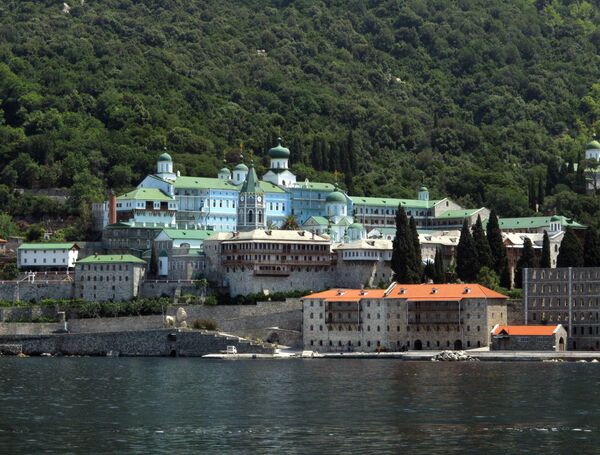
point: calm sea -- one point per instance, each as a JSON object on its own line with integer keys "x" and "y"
{"x": 128, "y": 405}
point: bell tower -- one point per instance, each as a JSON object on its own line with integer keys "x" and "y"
{"x": 251, "y": 211}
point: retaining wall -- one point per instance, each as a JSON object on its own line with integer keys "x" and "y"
{"x": 147, "y": 343}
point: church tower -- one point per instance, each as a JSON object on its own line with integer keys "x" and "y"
{"x": 251, "y": 211}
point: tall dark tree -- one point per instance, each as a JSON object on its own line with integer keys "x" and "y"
{"x": 467, "y": 262}
{"x": 494, "y": 237}
{"x": 591, "y": 249}
{"x": 540, "y": 194}
{"x": 505, "y": 280}
{"x": 526, "y": 261}
{"x": 484, "y": 253}
{"x": 531, "y": 197}
{"x": 545, "y": 261}
{"x": 429, "y": 272}
{"x": 570, "y": 253}
{"x": 403, "y": 253}
{"x": 153, "y": 262}
{"x": 418, "y": 262}
{"x": 552, "y": 177}
{"x": 439, "y": 275}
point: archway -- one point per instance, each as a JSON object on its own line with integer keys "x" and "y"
{"x": 250, "y": 216}
{"x": 458, "y": 345}
{"x": 273, "y": 338}
{"x": 561, "y": 344}
{"x": 418, "y": 345}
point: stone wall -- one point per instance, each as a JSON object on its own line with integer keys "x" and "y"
{"x": 515, "y": 312}
{"x": 354, "y": 274}
{"x": 152, "y": 289}
{"x": 11, "y": 291}
{"x": 162, "y": 342}
{"x": 26, "y": 314}
{"x": 244, "y": 283}
{"x": 526, "y": 343}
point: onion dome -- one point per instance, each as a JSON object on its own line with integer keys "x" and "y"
{"x": 241, "y": 167}
{"x": 358, "y": 226}
{"x": 423, "y": 188}
{"x": 336, "y": 197}
{"x": 165, "y": 157}
{"x": 594, "y": 145}
{"x": 555, "y": 218}
{"x": 279, "y": 151}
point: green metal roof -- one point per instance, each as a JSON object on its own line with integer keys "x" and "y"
{"x": 336, "y": 197}
{"x": 165, "y": 157}
{"x": 356, "y": 226}
{"x": 47, "y": 246}
{"x": 146, "y": 194}
{"x": 279, "y": 151}
{"x": 391, "y": 202}
{"x": 319, "y": 220}
{"x": 457, "y": 213}
{"x": 190, "y": 234}
{"x": 316, "y": 186}
{"x": 163, "y": 254}
{"x": 251, "y": 184}
{"x": 111, "y": 259}
{"x": 536, "y": 222}
{"x": 205, "y": 183}
{"x": 594, "y": 145}
{"x": 270, "y": 187}
{"x": 225, "y": 171}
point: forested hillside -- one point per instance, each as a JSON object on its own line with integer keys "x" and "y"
{"x": 484, "y": 100}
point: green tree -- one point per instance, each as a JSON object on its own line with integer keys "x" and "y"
{"x": 505, "y": 278}
{"x": 417, "y": 266}
{"x": 467, "y": 262}
{"x": 488, "y": 278}
{"x": 545, "y": 261}
{"x": 526, "y": 261}
{"x": 484, "y": 253}
{"x": 153, "y": 261}
{"x": 570, "y": 253}
{"x": 290, "y": 223}
{"x": 439, "y": 275}
{"x": 10, "y": 271}
{"x": 591, "y": 249}
{"x": 494, "y": 237}
{"x": 403, "y": 252}
{"x": 35, "y": 233}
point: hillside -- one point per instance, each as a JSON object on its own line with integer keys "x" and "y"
{"x": 482, "y": 100}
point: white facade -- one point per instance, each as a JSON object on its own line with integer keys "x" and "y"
{"x": 47, "y": 256}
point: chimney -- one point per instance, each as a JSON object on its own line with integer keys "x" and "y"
{"x": 112, "y": 207}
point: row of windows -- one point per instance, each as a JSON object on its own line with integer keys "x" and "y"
{"x": 349, "y": 343}
{"x": 104, "y": 278}
{"x": 64, "y": 261}
{"x": 107, "y": 267}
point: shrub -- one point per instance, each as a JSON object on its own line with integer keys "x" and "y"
{"x": 204, "y": 324}
{"x": 211, "y": 300}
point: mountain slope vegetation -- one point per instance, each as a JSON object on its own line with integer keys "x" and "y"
{"x": 488, "y": 102}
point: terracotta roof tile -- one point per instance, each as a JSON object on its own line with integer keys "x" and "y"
{"x": 539, "y": 330}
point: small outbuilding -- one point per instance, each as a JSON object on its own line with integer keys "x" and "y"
{"x": 528, "y": 338}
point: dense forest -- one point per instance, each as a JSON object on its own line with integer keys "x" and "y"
{"x": 489, "y": 102}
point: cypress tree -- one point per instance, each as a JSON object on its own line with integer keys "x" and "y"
{"x": 540, "y": 195}
{"x": 570, "y": 253}
{"x": 484, "y": 253}
{"x": 403, "y": 253}
{"x": 418, "y": 261}
{"x": 527, "y": 260}
{"x": 505, "y": 274}
{"x": 531, "y": 193}
{"x": 467, "y": 263}
{"x": 591, "y": 250}
{"x": 153, "y": 262}
{"x": 580, "y": 182}
{"x": 494, "y": 237}
{"x": 429, "y": 272}
{"x": 545, "y": 260}
{"x": 552, "y": 177}
{"x": 439, "y": 275}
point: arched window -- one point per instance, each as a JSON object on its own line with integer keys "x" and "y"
{"x": 260, "y": 217}
{"x": 250, "y": 216}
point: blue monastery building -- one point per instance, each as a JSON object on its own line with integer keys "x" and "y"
{"x": 237, "y": 200}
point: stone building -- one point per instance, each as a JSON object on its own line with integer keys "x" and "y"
{"x": 109, "y": 277}
{"x": 180, "y": 253}
{"x": 415, "y": 317}
{"x": 567, "y": 296}
{"x": 513, "y": 242}
{"x": 528, "y": 338}
{"x": 269, "y": 261}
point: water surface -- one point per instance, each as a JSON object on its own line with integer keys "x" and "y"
{"x": 157, "y": 405}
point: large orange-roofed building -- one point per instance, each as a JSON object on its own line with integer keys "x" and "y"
{"x": 402, "y": 317}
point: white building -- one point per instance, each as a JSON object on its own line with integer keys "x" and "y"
{"x": 47, "y": 256}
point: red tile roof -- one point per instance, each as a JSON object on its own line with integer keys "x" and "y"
{"x": 539, "y": 330}
{"x": 424, "y": 292}
{"x": 412, "y": 292}
{"x": 347, "y": 295}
